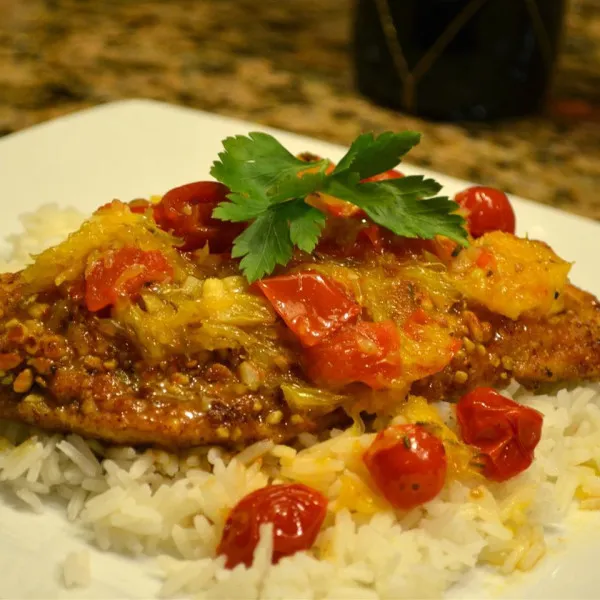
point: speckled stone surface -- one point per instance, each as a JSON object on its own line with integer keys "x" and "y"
{"x": 286, "y": 63}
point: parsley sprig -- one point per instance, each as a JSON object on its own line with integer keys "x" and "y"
{"x": 269, "y": 184}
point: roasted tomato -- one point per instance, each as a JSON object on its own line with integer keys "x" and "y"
{"x": 505, "y": 432}
{"x": 122, "y": 273}
{"x": 408, "y": 465}
{"x": 295, "y": 510}
{"x": 186, "y": 212}
{"x": 364, "y": 351}
{"x": 312, "y": 305}
{"x": 487, "y": 209}
{"x": 385, "y": 176}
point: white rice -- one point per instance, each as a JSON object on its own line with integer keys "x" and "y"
{"x": 45, "y": 227}
{"x": 174, "y": 507}
{"x": 77, "y": 570}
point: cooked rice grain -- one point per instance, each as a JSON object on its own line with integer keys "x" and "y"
{"x": 132, "y": 505}
{"x": 76, "y": 570}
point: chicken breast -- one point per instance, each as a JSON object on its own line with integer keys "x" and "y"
{"x": 561, "y": 349}
{"x": 187, "y": 353}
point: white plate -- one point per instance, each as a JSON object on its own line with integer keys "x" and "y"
{"x": 136, "y": 148}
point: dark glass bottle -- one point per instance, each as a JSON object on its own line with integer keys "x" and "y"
{"x": 457, "y": 59}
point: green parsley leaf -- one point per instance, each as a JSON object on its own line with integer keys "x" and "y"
{"x": 404, "y": 214}
{"x": 269, "y": 186}
{"x": 306, "y": 224}
{"x": 370, "y": 155}
{"x": 412, "y": 184}
{"x": 259, "y": 168}
{"x": 270, "y": 239}
{"x": 264, "y": 244}
{"x": 240, "y": 208}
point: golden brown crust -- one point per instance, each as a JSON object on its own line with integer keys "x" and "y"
{"x": 153, "y": 372}
{"x": 77, "y": 373}
{"x": 563, "y": 348}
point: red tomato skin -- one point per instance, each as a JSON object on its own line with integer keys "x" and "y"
{"x": 186, "y": 212}
{"x": 365, "y": 352}
{"x": 488, "y": 209}
{"x": 312, "y": 305}
{"x": 504, "y": 431}
{"x": 407, "y": 464}
{"x": 296, "y": 511}
{"x": 385, "y": 176}
{"x": 122, "y": 273}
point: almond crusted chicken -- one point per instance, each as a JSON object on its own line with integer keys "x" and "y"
{"x": 126, "y": 334}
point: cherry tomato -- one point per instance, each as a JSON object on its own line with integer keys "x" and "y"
{"x": 385, "y": 176}
{"x": 296, "y": 511}
{"x": 312, "y": 305}
{"x": 505, "y": 432}
{"x": 408, "y": 464}
{"x": 364, "y": 351}
{"x": 186, "y": 212}
{"x": 488, "y": 209}
{"x": 122, "y": 273}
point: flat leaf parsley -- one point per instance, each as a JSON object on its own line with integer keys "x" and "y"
{"x": 269, "y": 184}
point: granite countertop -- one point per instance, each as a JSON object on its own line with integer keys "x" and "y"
{"x": 286, "y": 64}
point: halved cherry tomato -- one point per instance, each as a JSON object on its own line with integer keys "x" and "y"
{"x": 122, "y": 273}
{"x": 385, "y": 176}
{"x": 408, "y": 465}
{"x": 186, "y": 212}
{"x": 504, "y": 431}
{"x": 488, "y": 209}
{"x": 366, "y": 352}
{"x": 312, "y": 305}
{"x": 296, "y": 511}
